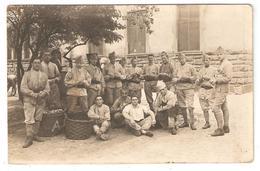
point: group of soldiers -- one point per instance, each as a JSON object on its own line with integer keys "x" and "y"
{"x": 111, "y": 95}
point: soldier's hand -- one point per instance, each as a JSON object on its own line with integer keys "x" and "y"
{"x": 42, "y": 94}
{"x": 34, "y": 95}
{"x": 206, "y": 78}
{"x": 153, "y": 122}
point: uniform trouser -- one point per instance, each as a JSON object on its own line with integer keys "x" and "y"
{"x": 167, "y": 118}
{"x": 144, "y": 124}
{"x": 149, "y": 88}
{"x": 111, "y": 95}
{"x": 136, "y": 93}
{"x": 33, "y": 112}
{"x": 101, "y": 127}
{"x": 92, "y": 94}
{"x": 185, "y": 98}
{"x": 54, "y": 101}
{"x": 118, "y": 119}
{"x": 74, "y": 101}
{"x": 220, "y": 109}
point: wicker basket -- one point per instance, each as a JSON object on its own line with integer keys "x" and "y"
{"x": 78, "y": 128}
{"x": 52, "y": 123}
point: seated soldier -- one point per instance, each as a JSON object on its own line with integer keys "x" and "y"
{"x": 100, "y": 113}
{"x": 117, "y": 108}
{"x": 138, "y": 118}
{"x": 165, "y": 108}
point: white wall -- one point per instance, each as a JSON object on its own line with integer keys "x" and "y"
{"x": 228, "y": 26}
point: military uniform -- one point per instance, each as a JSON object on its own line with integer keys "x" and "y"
{"x": 33, "y": 84}
{"x": 97, "y": 83}
{"x": 112, "y": 75}
{"x": 169, "y": 70}
{"x": 220, "y": 107}
{"x": 150, "y": 86}
{"x": 101, "y": 116}
{"x": 77, "y": 94}
{"x": 134, "y": 88}
{"x": 51, "y": 69}
{"x": 185, "y": 90}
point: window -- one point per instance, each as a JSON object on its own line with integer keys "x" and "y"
{"x": 188, "y": 27}
{"x": 136, "y": 32}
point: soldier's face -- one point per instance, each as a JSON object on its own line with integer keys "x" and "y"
{"x": 134, "y": 62}
{"x": 112, "y": 60}
{"x": 206, "y": 62}
{"x": 164, "y": 59}
{"x": 93, "y": 61}
{"x": 163, "y": 91}
{"x": 124, "y": 93}
{"x": 134, "y": 101}
{"x": 36, "y": 64}
{"x": 99, "y": 101}
{"x": 46, "y": 58}
{"x": 182, "y": 59}
{"x": 150, "y": 59}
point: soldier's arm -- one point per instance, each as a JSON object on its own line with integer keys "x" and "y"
{"x": 92, "y": 114}
{"x": 126, "y": 112}
{"x": 115, "y": 106}
{"x": 107, "y": 113}
{"x": 149, "y": 112}
{"x": 24, "y": 86}
{"x": 227, "y": 76}
{"x": 193, "y": 74}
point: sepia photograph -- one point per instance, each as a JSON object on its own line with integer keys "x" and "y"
{"x": 130, "y": 84}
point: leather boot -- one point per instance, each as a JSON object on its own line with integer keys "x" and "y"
{"x": 184, "y": 114}
{"x": 226, "y": 129}
{"x": 36, "y": 128}
{"x": 29, "y": 136}
{"x": 218, "y": 132}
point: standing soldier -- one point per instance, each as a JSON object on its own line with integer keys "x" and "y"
{"x": 220, "y": 107}
{"x": 166, "y": 70}
{"x": 150, "y": 76}
{"x": 165, "y": 109}
{"x": 97, "y": 85}
{"x": 100, "y": 113}
{"x": 56, "y": 58}
{"x": 53, "y": 73}
{"x": 186, "y": 76}
{"x": 206, "y": 88}
{"x": 35, "y": 89}
{"x": 113, "y": 74}
{"x": 134, "y": 82}
{"x": 77, "y": 80}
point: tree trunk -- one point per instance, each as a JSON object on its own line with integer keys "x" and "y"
{"x": 34, "y": 55}
{"x": 20, "y": 70}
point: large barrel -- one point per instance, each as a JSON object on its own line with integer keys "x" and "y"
{"x": 78, "y": 126}
{"x": 52, "y": 123}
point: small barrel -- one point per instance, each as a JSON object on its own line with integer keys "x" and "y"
{"x": 52, "y": 123}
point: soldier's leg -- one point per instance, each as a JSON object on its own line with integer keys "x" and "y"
{"x": 71, "y": 103}
{"x": 29, "y": 136}
{"x": 84, "y": 103}
{"x": 162, "y": 119}
{"x": 189, "y": 96}
{"x": 118, "y": 120}
{"x": 92, "y": 94}
{"x": 38, "y": 118}
{"x": 182, "y": 106}
{"x": 218, "y": 101}
{"x": 225, "y": 111}
{"x": 117, "y": 93}
{"x": 172, "y": 114}
{"x": 146, "y": 124}
{"x": 205, "y": 108}
{"x": 109, "y": 96}
{"x": 105, "y": 126}
{"x": 148, "y": 94}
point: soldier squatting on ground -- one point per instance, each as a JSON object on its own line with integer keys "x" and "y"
{"x": 88, "y": 85}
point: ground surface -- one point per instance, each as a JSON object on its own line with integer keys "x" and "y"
{"x": 187, "y": 146}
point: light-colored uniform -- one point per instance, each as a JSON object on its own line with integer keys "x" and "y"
{"x": 77, "y": 94}
{"x": 53, "y": 73}
{"x": 206, "y": 96}
{"x": 167, "y": 69}
{"x": 34, "y": 82}
{"x": 220, "y": 107}
{"x": 167, "y": 116}
{"x": 185, "y": 91}
{"x": 135, "y": 117}
{"x": 113, "y": 86}
{"x": 150, "y": 86}
{"x": 96, "y": 87}
{"x": 134, "y": 88}
{"x": 101, "y": 116}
